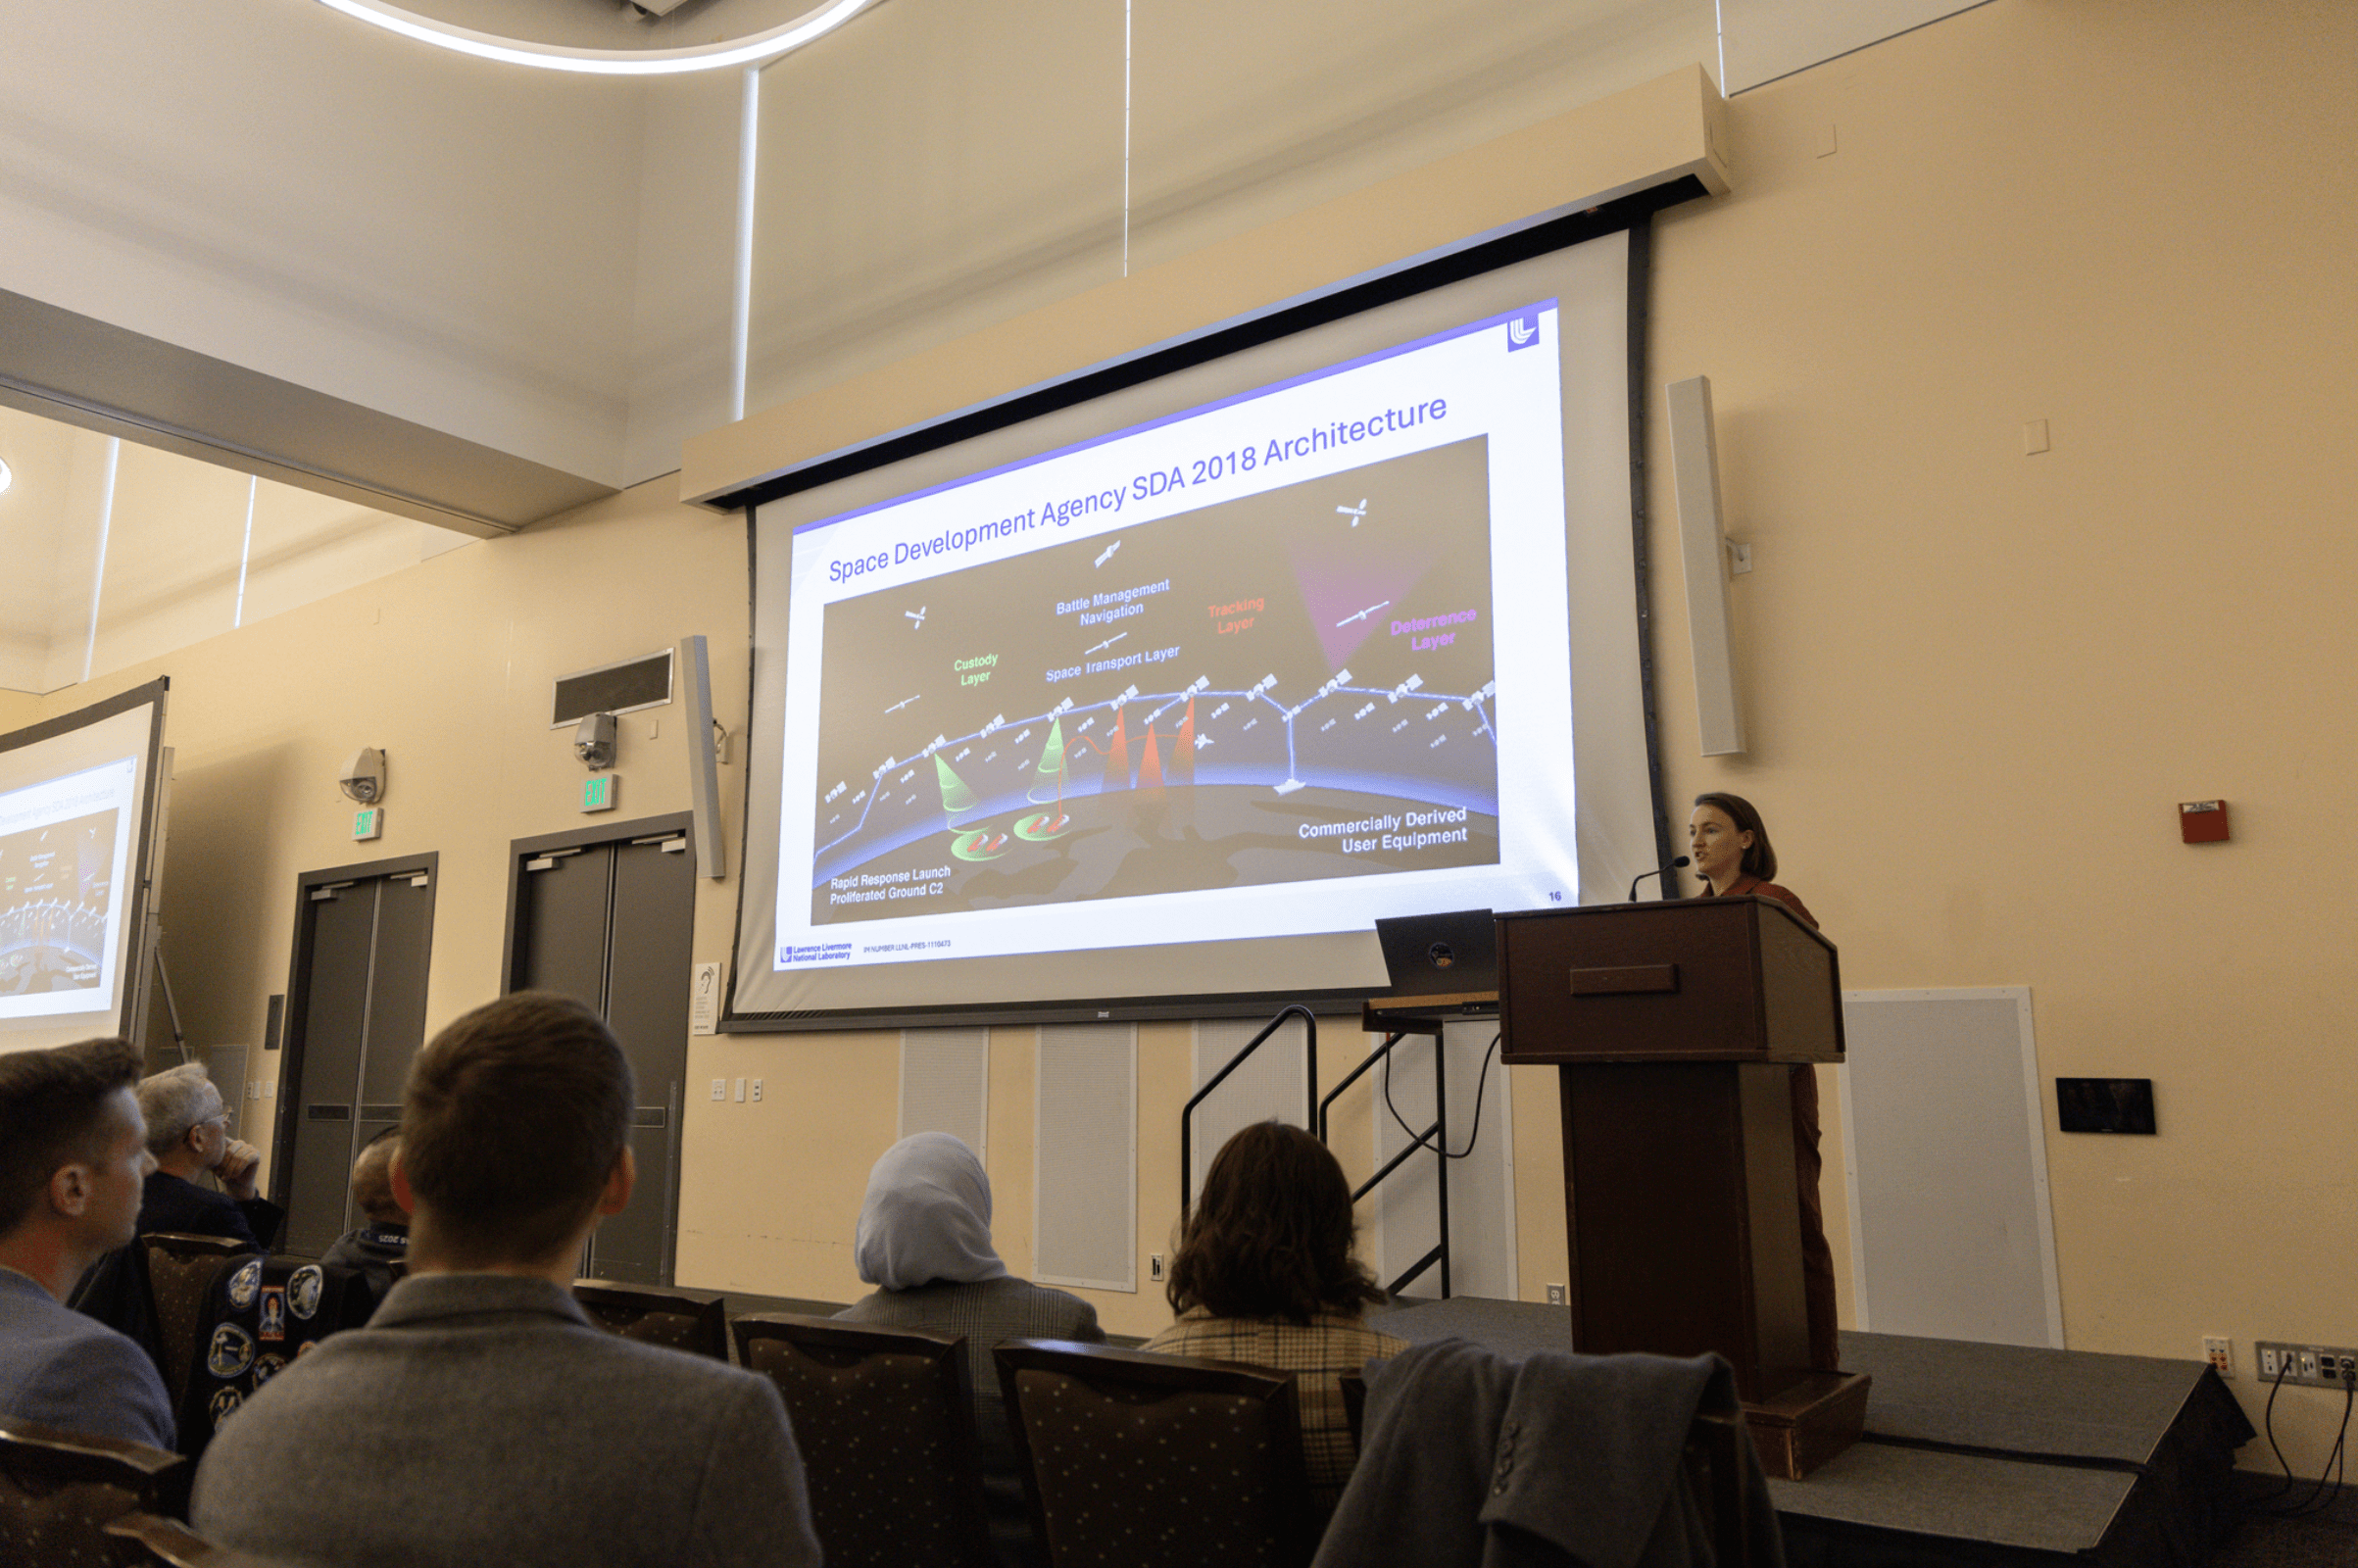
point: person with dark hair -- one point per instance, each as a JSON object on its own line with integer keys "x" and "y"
{"x": 188, "y": 1133}
{"x": 379, "y": 1245}
{"x": 925, "y": 1241}
{"x": 480, "y": 1417}
{"x": 72, "y": 1156}
{"x": 1733, "y": 856}
{"x": 1264, "y": 1274}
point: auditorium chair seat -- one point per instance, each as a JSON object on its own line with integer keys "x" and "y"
{"x": 884, "y": 1421}
{"x": 59, "y": 1491}
{"x": 1158, "y": 1461}
{"x": 680, "y": 1321}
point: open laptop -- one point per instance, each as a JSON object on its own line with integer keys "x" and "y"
{"x": 1441, "y": 954}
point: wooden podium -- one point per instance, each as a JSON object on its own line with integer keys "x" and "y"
{"x": 1673, "y": 1026}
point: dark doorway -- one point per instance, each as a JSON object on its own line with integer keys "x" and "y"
{"x": 606, "y": 915}
{"x": 356, "y": 1016}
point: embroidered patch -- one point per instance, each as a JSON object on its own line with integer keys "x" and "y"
{"x": 243, "y": 1284}
{"x": 273, "y": 1312}
{"x": 230, "y": 1353}
{"x": 303, "y": 1290}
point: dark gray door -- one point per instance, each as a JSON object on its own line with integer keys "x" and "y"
{"x": 610, "y": 923}
{"x": 357, "y": 1000}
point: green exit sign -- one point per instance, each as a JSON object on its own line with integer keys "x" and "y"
{"x": 597, "y": 793}
{"x": 369, "y": 823}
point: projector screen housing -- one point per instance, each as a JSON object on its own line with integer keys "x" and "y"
{"x": 80, "y": 837}
{"x": 1149, "y": 705}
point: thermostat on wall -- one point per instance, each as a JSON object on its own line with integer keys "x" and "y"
{"x": 2203, "y": 821}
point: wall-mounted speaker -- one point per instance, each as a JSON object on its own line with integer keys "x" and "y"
{"x": 1694, "y": 468}
{"x": 704, "y": 766}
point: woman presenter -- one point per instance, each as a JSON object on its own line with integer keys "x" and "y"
{"x": 1729, "y": 845}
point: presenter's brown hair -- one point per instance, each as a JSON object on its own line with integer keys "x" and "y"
{"x": 515, "y": 1116}
{"x": 1270, "y": 1236}
{"x": 1759, "y": 859}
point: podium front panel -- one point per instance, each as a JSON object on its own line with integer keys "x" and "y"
{"x": 1688, "y": 980}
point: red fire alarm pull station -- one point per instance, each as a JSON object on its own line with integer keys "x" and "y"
{"x": 2203, "y": 821}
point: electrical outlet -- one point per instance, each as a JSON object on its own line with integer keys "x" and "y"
{"x": 757, "y": 1091}
{"x": 1556, "y": 1295}
{"x": 2220, "y": 1351}
{"x": 1154, "y": 1266}
{"x": 721, "y": 1089}
{"x": 2313, "y": 1365}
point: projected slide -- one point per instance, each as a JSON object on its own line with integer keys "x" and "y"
{"x": 62, "y": 850}
{"x": 1290, "y": 686}
{"x": 1272, "y": 665}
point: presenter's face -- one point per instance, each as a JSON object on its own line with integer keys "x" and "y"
{"x": 1716, "y": 846}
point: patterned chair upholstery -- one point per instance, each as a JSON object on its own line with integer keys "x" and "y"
{"x": 185, "y": 1273}
{"x": 160, "y": 1542}
{"x": 59, "y": 1491}
{"x": 1153, "y": 1460}
{"x": 258, "y": 1315}
{"x": 683, "y": 1320}
{"x": 884, "y": 1419}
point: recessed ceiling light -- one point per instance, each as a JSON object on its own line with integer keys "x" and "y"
{"x": 744, "y": 51}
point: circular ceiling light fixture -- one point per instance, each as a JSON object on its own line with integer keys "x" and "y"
{"x": 745, "y": 51}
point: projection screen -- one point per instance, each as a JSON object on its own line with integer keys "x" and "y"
{"x": 1152, "y": 705}
{"x": 79, "y": 806}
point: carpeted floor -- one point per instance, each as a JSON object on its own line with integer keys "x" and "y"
{"x": 2324, "y": 1540}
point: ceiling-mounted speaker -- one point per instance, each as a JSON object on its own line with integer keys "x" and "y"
{"x": 703, "y": 763}
{"x": 1702, "y": 547}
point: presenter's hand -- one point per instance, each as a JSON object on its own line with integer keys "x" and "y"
{"x": 238, "y": 1168}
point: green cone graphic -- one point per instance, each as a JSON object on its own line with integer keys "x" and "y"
{"x": 956, "y": 799}
{"x": 1048, "y": 779}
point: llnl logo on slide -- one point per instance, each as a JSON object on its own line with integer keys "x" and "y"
{"x": 1523, "y": 331}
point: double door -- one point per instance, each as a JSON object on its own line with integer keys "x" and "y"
{"x": 356, "y": 1010}
{"x": 608, "y": 920}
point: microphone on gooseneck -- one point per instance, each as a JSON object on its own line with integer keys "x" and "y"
{"x": 1656, "y": 871}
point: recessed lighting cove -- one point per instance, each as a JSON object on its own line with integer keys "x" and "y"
{"x": 746, "y": 51}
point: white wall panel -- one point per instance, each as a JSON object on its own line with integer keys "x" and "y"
{"x": 946, "y": 1084}
{"x": 1272, "y": 1084}
{"x": 1405, "y": 1207}
{"x": 1085, "y": 1156}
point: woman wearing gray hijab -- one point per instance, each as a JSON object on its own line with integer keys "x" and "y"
{"x": 924, "y": 1242}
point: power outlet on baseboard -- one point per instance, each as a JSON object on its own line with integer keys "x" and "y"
{"x": 1556, "y": 1295}
{"x": 2318, "y": 1366}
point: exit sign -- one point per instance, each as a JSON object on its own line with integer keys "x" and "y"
{"x": 597, "y": 793}
{"x": 369, "y": 823}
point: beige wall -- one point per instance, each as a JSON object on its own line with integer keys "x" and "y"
{"x": 1978, "y": 681}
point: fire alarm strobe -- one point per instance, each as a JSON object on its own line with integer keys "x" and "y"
{"x": 2203, "y": 821}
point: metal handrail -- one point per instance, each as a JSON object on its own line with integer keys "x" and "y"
{"x": 1433, "y": 1138}
{"x": 1310, "y": 1106}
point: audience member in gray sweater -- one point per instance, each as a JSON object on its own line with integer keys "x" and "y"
{"x": 72, "y": 1155}
{"x": 479, "y": 1417}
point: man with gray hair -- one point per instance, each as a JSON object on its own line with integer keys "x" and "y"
{"x": 188, "y": 1133}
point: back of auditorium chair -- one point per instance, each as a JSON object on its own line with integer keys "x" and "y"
{"x": 260, "y": 1315}
{"x": 681, "y": 1320}
{"x": 183, "y": 1275}
{"x": 884, "y": 1419}
{"x": 1158, "y": 1461}
{"x": 59, "y": 1491}
{"x": 160, "y": 1542}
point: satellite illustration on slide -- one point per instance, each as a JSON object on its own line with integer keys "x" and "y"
{"x": 1293, "y": 686}
{"x": 54, "y": 890}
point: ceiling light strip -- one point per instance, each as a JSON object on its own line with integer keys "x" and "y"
{"x": 604, "y": 62}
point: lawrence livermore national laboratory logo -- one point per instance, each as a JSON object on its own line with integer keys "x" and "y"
{"x": 1523, "y": 331}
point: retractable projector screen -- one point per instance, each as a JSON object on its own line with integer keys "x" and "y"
{"x": 1150, "y": 706}
{"x": 78, "y": 837}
